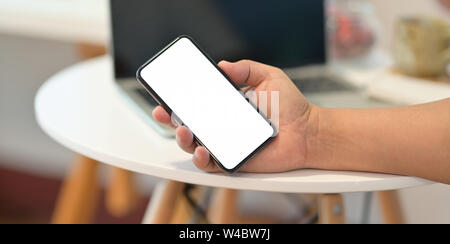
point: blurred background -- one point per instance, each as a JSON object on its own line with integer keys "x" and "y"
{"x": 38, "y": 38}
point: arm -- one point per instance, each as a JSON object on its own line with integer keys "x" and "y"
{"x": 413, "y": 140}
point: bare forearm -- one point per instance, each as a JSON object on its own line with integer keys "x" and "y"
{"x": 413, "y": 140}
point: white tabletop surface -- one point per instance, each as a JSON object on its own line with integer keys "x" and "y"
{"x": 82, "y": 109}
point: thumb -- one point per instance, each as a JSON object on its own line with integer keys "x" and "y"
{"x": 246, "y": 72}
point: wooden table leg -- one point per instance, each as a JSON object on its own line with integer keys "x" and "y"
{"x": 79, "y": 194}
{"x": 184, "y": 212}
{"x": 121, "y": 196}
{"x": 390, "y": 207}
{"x": 331, "y": 209}
{"x": 162, "y": 203}
{"x": 224, "y": 209}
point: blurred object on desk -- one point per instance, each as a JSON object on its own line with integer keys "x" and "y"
{"x": 445, "y": 3}
{"x": 354, "y": 54}
{"x": 388, "y": 13}
{"x": 352, "y": 29}
{"x": 421, "y": 46}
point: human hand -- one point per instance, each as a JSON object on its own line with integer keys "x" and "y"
{"x": 288, "y": 151}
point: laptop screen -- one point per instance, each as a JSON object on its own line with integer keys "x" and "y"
{"x": 280, "y": 33}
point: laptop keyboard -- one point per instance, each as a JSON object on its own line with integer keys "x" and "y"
{"x": 147, "y": 97}
{"x": 322, "y": 84}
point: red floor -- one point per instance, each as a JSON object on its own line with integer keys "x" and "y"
{"x": 25, "y": 198}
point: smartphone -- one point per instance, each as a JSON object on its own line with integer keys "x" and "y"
{"x": 193, "y": 89}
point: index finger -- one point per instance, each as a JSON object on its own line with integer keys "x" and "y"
{"x": 162, "y": 116}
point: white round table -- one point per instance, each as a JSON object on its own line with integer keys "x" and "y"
{"x": 82, "y": 109}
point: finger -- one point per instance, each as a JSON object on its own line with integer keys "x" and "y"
{"x": 247, "y": 72}
{"x": 203, "y": 161}
{"x": 185, "y": 139}
{"x": 161, "y": 116}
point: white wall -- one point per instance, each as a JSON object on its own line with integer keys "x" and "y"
{"x": 426, "y": 205}
{"x": 25, "y": 64}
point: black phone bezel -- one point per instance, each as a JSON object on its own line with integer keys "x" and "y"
{"x": 169, "y": 110}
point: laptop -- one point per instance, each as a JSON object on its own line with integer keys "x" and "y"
{"x": 289, "y": 35}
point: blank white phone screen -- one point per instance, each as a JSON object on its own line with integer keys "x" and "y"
{"x": 205, "y": 101}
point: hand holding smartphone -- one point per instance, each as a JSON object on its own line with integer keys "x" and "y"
{"x": 188, "y": 84}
